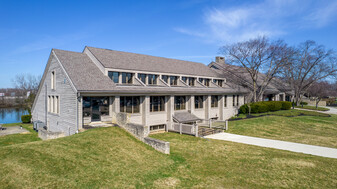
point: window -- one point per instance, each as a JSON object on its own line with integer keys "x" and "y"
{"x": 237, "y": 100}
{"x": 142, "y": 77}
{"x": 157, "y": 127}
{"x": 152, "y": 79}
{"x": 214, "y": 101}
{"x": 127, "y": 78}
{"x": 179, "y": 103}
{"x": 184, "y": 79}
{"x": 114, "y": 76}
{"x": 198, "y": 102}
{"x": 233, "y": 100}
{"x": 225, "y": 101}
{"x": 214, "y": 67}
{"x": 204, "y": 81}
{"x": 48, "y": 104}
{"x": 56, "y": 108}
{"x": 129, "y": 104}
{"x": 53, "y": 104}
{"x": 191, "y": 81}
{"x": 157, "y": 103}
{"x": 53, "y": 80}
{"x": 218, "y": 82}
{"x": 173, "y": 80}
{"x": 165, "y": 78}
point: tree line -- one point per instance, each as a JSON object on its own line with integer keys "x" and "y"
{"x": 301, "y": 66}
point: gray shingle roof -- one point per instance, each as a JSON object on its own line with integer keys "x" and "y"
{"x": 84, "y": 74}
{"x": 132, "y": 61}
{"x": 87, "y": 77}
{"x": 184, "y": 116}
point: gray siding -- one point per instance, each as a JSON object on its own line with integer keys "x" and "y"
{"x": 66, "y": 120}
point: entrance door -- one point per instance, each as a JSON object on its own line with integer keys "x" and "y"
{"x": 96, "y": 114}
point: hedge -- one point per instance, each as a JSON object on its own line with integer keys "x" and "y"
{"x": 26, "y": 118}
{"x": 268, "y": 106}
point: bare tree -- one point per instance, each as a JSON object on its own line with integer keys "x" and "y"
{"x": 319, "y": 90}
{"x": 27, "y": 83}
{"x": 311, "y": 63}
{"x": 258, "y": 56}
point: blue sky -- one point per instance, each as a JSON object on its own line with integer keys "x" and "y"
{"x": 188, "y": 30}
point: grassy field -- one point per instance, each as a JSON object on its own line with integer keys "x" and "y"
{"x": 19, "y": 138}
{"x": 291, "y": 125}
{"x": 111, "y": 158}
{"x": 313, "y": 108}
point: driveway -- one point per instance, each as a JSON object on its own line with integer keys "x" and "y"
{"x": 12, "y": 130}
{"x": 277, "y": 144}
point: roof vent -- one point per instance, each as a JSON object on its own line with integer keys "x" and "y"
{"x": 220, "y": 59}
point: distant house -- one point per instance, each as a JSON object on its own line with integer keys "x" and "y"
{"x": 93, "y": 86}
{"x": 275, "y": 91}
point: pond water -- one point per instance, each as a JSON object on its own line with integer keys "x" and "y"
{"x": 11, "y": 115}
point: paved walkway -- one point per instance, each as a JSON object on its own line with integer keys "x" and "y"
{"x": 12, "y": 130}
{"x": 277, "y": 144}
{"x": 330, "y": 111}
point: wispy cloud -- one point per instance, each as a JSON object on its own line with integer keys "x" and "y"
{"x": 48, "y": 42}
{"x": 271, "y": 18}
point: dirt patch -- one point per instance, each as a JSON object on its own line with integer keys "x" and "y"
{"x": 170, "y": 182}
{"x": 294, "y": 163}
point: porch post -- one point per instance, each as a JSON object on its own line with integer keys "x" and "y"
{"x": 170, "y": 111}
{"x": 207, "y": 106}
{"x": 221, "y": 107}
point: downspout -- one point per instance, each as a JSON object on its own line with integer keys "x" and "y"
{"x": 77, "y": 120}
{"x": 46, "y": 106}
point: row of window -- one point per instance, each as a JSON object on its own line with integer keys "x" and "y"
{"x": 157, "y": 103}
{"x": 152, "y": 79}
{"x": 54, "y": 104}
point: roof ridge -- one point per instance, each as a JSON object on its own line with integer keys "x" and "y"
{"x": 146, "y": 55}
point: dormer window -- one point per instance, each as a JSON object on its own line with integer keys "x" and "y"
{"x": 165, "y": 78}
{"x": 206, "y": 82}
{"x": 173, "y": 80}
{"x": 114, "y": 76}
{"x": 191, "y": 81}
{"x": 218, "y": 82}
{"x": 127, "y": 78}
{"x": 184, "y": 79}
{"x": 152, "y": 79}
{"x": 142, "y": 77}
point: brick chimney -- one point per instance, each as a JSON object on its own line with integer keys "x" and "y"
{"x": 220, "y": 59}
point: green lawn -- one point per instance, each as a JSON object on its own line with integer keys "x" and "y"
{"x": 311, "y": 128}
{"x": 313, "y": 108}
{"x": 19, "y": 138}
{"x": 112, "y": 158}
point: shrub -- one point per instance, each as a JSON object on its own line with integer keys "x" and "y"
{"x": 26, "y": 118}
{"x": 286, "y": 105}
{"x": 303, "y": 103}
{"x": 244, "y": 109}
{"x": 261, "y": 107}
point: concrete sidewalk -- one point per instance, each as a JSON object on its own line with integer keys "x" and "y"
{"x": 277, "y": 144}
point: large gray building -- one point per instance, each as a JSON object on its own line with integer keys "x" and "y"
{"x": 93, "y": 86}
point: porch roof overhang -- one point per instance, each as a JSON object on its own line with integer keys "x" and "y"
{"x": 184, "y": 117}
{"x": 139, "y": 90}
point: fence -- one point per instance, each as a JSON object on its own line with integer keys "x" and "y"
{"x": 183, "y": 128}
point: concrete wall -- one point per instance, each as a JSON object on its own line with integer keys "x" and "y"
{"x": 65, "y": 121}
